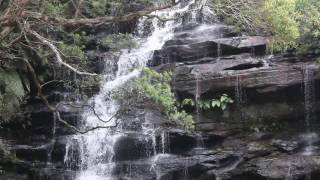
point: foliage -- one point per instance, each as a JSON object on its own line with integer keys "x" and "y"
{"x": 266, "y": 126}
{"x": 283, "y": 19}
{"x": 309, "y": 26}
{"x": 93, "y": 8}
{"x": 71, "y": 50}
{"x": 245, "y": 15}
{"x": 119, "y": 41}
{"x": 290, "y": 24}
{"x": 11, "y": 92}
{"x": 275, "y": 18}
{"x": 156, "y": 87}
{"x": 221, "y": 103}
{"x": 54, "y": 8}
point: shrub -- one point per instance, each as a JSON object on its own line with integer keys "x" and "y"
{"x": 221, "y": 103}
{"x": 282, "y": 16}
{"x": 155, "y": 87}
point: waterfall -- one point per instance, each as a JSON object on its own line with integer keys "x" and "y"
{"x": 309, "y": 93}
{"x": 219, "y": 52}
{"x": 96, "y": 148}
{"x": 240, "y": 96}
{"x": 197, "y": 94}
{"x": 309, "y": 97}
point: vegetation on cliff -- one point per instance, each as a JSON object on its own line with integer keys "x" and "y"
{"x": 154, "y": 88}
{"x": 41, "y": 41}
{"x": 289, "y": 24}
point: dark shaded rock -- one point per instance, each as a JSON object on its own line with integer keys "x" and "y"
{"x": 204, "y": 165}
{"x": 180, "y": 141}
{"x": 256, "y": 44}
{"x": 215, "y": 77}
{"x": 132, "y": 146}
{"x": 186, "y": 48}
{"x": 32, "y": 153}
{"x": 14, "y": 176}
{"x": 282, "y": 167}
{"x": 182, "y": 53}
{"x": 286, "y": 146}
{"x": 257, "y": 149}
{"x": 135, "y": 170}
{"x": 195, "y": 33}
{"x": 59, "y": 149}
{"x": 50, "y": 173}
{"x": 218, "y": 129}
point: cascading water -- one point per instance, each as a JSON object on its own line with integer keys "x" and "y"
{"x": 240, "y": 96}
{"x": 197, "y": 94}
{"x": 96, "y": 148}
{"x": 309, "y": 96}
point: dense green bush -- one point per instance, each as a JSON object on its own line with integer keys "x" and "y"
{"x": 309, "y": 26}
{"x": 222, "y": 102}
{"x": 12, "y": 92}
{"x": 154, "y": 87}
{"x": 282, "y": 16}
{"x": 289, "y": 24}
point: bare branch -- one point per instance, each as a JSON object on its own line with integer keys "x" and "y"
{"x": 92, "y": 21}
{"x": 49, "y": 82}
{"x": 92, "y": 109}
{"x": 54, "y": 109}
{"x": 78, "y": 9}
{"x": 82, "y": 131}
{"x": 57, "y": 53}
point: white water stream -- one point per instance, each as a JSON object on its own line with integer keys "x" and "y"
{"x": 309, "y": 99}
{"x": 96, "y": 149}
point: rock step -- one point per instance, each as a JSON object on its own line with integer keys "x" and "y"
{"x": 195, "y": 33}
{"x": 250, "y": 73}
{"x": 210, "y": 48}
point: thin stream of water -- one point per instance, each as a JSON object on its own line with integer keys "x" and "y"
{"x": 309, "y": 96}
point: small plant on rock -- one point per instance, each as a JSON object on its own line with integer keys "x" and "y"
{"x": 221, "y": 103}
{"x": 155, "y": 87}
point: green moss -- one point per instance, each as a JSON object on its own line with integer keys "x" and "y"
{"x": 11, "y": 92}
{"x": 283, "y": 19}
{"x": 119, "y": 41}
{"x": 6, "y": 156}
{"x": 72, "y": 50}
{"x": 54, "y": 8}
{"x": 156, "y": 87}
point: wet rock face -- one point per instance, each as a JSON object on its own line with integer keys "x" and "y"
{"x": 132, "y": 147}
{"x": 228, "y": 72}
{"x": 295, "y": 167}
{"x": 194, "y": 41}
{"x": 286, "y": 146}
{"x": 207, "y": 60}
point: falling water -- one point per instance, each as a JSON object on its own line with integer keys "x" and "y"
{"x": 240, "y": 96}
{"x": 154, "y": 143}
{"x": 289, "y": 174}
{"x": 97, "y": 147}
{"x": 197, "y": 92}
{"x": 309, "y": 94}
{"x": 164, "y": 142}
{"x": 219, "y": 51}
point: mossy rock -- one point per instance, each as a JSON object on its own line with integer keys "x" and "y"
{"x": 12, "y": 92}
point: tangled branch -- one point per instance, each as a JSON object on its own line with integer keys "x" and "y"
{"x": 57, "y": 53}
{"x": 55, "y": 110}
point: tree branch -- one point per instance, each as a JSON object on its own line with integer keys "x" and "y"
{"x": 54, "y": 109}
{"x": 93, "y": 21}
{"x": 57, "y": 53}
